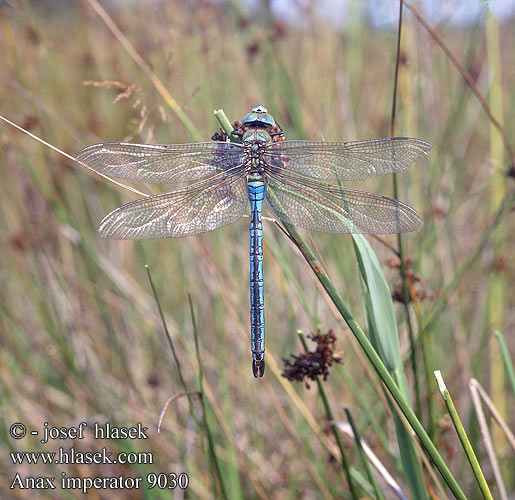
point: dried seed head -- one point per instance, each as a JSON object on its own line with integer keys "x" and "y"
{"x": 313, "y": 363}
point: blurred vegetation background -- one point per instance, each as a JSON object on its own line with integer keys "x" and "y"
{"x": 81, "y": 337}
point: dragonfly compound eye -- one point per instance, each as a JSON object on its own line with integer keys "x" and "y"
{"x": 259, "y": 109}
{"x": 258, "y": 117}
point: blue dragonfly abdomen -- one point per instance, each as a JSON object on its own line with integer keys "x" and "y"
{"x": 257, "y": 190}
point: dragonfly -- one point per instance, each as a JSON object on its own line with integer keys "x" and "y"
{"x": 300, "y": 182}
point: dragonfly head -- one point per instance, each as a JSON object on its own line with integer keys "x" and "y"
{"x": 258, "y": 117}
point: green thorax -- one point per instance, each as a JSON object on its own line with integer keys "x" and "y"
{"x": 256, "y": 139}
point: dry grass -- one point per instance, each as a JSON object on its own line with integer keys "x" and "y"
{"x": 81, "y": 337}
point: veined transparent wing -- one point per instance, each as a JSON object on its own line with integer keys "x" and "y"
{"x": 320, "y": 206}
{"x": 162, "y": 164}
{"x": 192, "y": 210}
{"x": 347, "y": 161}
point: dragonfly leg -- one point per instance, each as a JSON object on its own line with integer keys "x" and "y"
{"x": 280, "y": 131}
{"x": 258, "y": 368}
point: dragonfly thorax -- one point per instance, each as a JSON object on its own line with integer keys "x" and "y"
{"x": 255, "y": 178}
{"x": 256, "y": 143}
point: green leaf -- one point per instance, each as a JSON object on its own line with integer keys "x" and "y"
{"x": 378, "y": 304}
{"x": 382, "y": 327}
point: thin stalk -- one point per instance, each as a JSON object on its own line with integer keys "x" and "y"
{"x": 504, "y": 208}
{"x": 426, "y": 352}
{"x": 226, "y": 124}
{"x": 477, "y": 394}
{"x": 466, "y": 75}
{"x": 70, "y": 157}
{"x": 508, "y": 363}
{"x": 336, "y": 433}
{"x": 373, "y": 357}
{"x": 405, "y": 291}
{"x": 460, "y": 430}
{"x": 496, "y": 300}
{"x": 188, "y": 393}
{"x": 172, "y": 348}
{"x": 197, "y": 349}
{"x": 396, "y": 77}
{"x": 364, "y": 459}
{"x": 147, "y": 70}
{"x": 219, "y": 478}
{"x": 494, "y": 413}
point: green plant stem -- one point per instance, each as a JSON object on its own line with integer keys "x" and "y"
{"x": 181, "y": 376}
{"x": 427, "y": 349}
{"x": 508, "y": 364}
{"x": 460, "y": 430}
{"x": 336, "y": 433}
{"x": 366, "y": 463}
{"x": 400, "y": 246}
{"x": 214, "y": 458}
{"x": 172, "y": 348}
{"x": 226, "y": 124}
{"x": 503, "y": 209}
{"x": 405, "y": 303}
{"x": 374, "y": 358}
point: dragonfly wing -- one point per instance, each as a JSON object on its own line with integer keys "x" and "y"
{"x": 347, "y": 161}
{"x": 333, "y": 209}
{"x": 162, "y": 164}
{"x": 185, "y": 212}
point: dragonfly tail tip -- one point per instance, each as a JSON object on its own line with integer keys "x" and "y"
{"x": 258, "y": 368}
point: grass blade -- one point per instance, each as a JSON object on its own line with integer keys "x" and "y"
{"x": 218, "y": 476}
{"x": 211, "y": 456}
{"x": 477, "y": 392}
{"x": 460, "y": 430}
{"x": 364, "y": 459}
{"x": 172, "y": 347}
{"x": 143, "y": 65}
{"x": 375, "y": 360}
{"x": 508, "y": 363}
{"x": 378, "y": 304}
{"x": 400, "y": 246}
